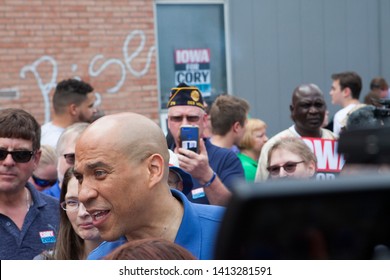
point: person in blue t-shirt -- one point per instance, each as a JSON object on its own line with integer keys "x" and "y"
{"x": 122, "y": 165}
{"x": 214, "y": 169}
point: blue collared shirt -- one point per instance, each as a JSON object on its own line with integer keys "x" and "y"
{"x": 197, "y": 233}
{"x": 38, "y": 233}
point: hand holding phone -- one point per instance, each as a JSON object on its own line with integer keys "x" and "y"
{"x": 189, "y": 137}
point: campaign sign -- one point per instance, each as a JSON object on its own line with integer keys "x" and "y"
{"x": 329, "y": 162}
{"x": 192, "y": 66}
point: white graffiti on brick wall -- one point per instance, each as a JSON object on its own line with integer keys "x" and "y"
{"x": 128, "y": 58}
{"x": 107, "y": 63}
{"x": 94, "y": 70}
{"x": 44, "y": 87}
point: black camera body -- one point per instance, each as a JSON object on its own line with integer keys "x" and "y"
{"x": 366, "y": 138}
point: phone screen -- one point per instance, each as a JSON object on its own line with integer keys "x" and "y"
{"x": 189, "y": 138}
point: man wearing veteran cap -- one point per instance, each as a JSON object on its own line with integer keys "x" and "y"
{"x": 214, "y": 170}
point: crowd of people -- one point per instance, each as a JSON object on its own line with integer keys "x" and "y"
{"x": 116, "y": 187}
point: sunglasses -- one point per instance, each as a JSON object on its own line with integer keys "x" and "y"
{"x": 190, "y": 119}
{"x": 289, "y": 167}
{"x": 43, "y": 183}
{"x": 70, "y": 158}
{"x": 17, "y": 156}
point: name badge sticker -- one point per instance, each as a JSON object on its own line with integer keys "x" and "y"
{"x": 198, "y": 193}
{"x": 47, "y": 236}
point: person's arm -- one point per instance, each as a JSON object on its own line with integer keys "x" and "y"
{"x": 198, "y": 166}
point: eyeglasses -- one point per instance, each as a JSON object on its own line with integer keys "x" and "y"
{"x": 17, "y": 156}
{"x": 43, "y": 183}
{"x": 190, "y": 119}
{"x": 70, "y": 158}
{"x": 70, "y": 205}
{"x": 289, "y": 167}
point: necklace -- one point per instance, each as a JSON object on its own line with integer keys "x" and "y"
{"x": 27, "y": 199}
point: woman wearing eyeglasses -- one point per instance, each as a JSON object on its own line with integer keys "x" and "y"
{"x": 291, "y": 157}
{"x": 77, "y": 236}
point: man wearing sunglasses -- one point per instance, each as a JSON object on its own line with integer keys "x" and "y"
{"x": 214, "y": 169}
{"x": 308, "y": 110}
{"x": 29, "y": 219}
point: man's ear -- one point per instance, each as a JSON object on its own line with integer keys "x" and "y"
{"x": 236, "y": 126}
{"x": 73, "y": 108}
{"x": 291, "y": 111}
{"x": 156, "y": 168}
{"x": 347, "y": 92}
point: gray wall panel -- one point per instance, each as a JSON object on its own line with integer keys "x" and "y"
{"x": 313, "y": 41}
{"x": 384, "y": 19}
{"x": 290, "y": 54}
{"x": 241, "y": 32}
{"x": 303, "y": 41}
{"x": 267, "y": 89}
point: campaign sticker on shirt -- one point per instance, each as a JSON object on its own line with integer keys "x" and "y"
{"x": 47, "y": 236}
{"x": 198, "y": 193}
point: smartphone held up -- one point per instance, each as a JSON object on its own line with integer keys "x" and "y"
{"x": 189, "y": 137}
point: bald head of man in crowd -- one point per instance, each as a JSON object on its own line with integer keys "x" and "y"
{"x": 122, "y": 168}
{"x": 308, "y": 108}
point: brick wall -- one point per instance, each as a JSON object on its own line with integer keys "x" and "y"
{"x": 110, "y": 44}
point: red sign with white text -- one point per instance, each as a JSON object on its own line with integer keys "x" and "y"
{"x": 328, "y": 160}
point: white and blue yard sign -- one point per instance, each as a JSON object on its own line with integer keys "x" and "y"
{"x": 192, "y": 66}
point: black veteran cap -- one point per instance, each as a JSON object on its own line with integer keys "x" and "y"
{"x": 184, "y": 95}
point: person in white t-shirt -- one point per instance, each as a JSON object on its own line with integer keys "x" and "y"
{"x": 73, "y": 101}
{"x": 308, "y": 108}
{"x": 345, "y": 91}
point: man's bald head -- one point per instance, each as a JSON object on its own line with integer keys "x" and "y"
{"x": 136, "y": 135}
{"x": 308, "y": 108}
{"x": 305, "y": 90}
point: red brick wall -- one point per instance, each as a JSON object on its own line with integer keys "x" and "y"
{"x": 110, "y": 44}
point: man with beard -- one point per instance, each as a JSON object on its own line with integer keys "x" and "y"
{"x": 73, "y": 101}
{"x": 308, "y": 110}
